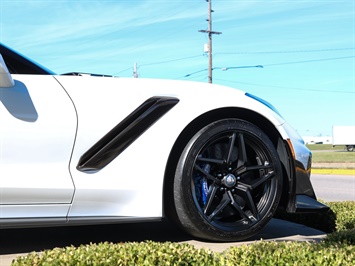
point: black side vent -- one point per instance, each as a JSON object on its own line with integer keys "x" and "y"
{"x": 125, "y": 133}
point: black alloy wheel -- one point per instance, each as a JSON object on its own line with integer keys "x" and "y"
{"x": 228, "y": 182}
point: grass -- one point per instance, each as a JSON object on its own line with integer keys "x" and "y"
{"x": 334, "y": 157}
{"x": 326, "y": 153}
{"x": 322, "y": 147}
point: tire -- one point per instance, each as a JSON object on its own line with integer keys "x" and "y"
{"x": 350, "y": 147}
{"x": 228, "y": 182}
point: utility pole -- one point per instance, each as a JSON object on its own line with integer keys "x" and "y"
{"x": 210, "y": 32}
{"x": 135, "y": 71}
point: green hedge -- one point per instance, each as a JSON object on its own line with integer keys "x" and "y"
{"x": 132, "y": 253}
{"x": 152, "y": 253}
{"x": 346, "y": 237}
{"x": 338, "y": 248}
{"x": 291, "y": 253}
{"x": 345, "y": 214}
{"x": 341, "y": 216}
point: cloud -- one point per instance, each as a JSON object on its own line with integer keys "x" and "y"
{"x": 51, "y": 22}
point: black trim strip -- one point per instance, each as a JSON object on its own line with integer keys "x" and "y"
{"x": 7, "y": 223}
{"x": 125, "y": 133}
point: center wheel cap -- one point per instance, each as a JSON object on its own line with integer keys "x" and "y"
{"x": 229, "y": 180}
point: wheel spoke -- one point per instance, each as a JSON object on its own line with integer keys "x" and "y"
{"x": 212, "y": 192}
{"x": 250, "y": 202}
{"x": 262, "y": 180}
{"x": 209, "y": 160}
{"x": 258, "y": 182}
{"x": 231, "y": 147}
{"x": 224, "y": 202}
{"x": 207, "y": 175}
{"x": 237, "y": 207}
{"x": 244, "y": 169}
{"x": 242, "y": 154}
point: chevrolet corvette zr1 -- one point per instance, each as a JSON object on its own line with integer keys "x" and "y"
{"x": 80, "y": 149}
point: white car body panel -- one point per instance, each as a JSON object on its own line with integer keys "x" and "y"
{"x": 34, "y": 211}
{"x": 132, "y": 183}
{"x": 34, "y": 113}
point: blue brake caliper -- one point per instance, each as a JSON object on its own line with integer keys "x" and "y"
{"x": 204, "y": 185}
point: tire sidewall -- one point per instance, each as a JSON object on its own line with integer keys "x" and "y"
{"x": 188, "y": 213}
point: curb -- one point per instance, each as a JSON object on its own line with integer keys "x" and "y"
{"x": 333, "y": 171}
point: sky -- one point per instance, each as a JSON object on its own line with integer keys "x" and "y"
{"x": 306, "y": 48}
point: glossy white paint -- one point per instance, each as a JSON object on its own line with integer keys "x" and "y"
{"x": 37, "y": 131}
{"x": 40, "y": 126}
{"x": 34, "y": 211}
{"x": 131, "y": 185}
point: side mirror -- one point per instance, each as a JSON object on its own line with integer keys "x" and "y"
{"x": 6, "y": 80}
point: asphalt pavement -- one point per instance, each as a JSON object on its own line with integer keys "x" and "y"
{"x": 334, "y": 187}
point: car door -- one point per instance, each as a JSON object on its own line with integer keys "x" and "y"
{"x": 37, "y": 133}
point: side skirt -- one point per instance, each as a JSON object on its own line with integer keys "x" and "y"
{"x": 75, "y": 221}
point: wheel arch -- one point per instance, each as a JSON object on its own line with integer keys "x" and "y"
{"x": 230, "y": 112}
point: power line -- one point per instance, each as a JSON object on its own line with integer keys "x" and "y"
{"x": 171, "y": 60}
{"x": 124, "y": 70}
{"x": 261, "y": 65}
{"x": 193, "y": 73}
{"x": 284, "y": 87}
{"x": 275, "y": 64}
{"x": 222, "y": 68}
{"x": 309, "y": 61}
{"x": 289, "y": 51}
{"x": 159, "y": 62}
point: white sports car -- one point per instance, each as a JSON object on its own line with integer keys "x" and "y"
{"x": 83, "y": 149}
